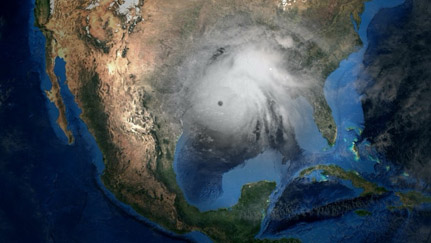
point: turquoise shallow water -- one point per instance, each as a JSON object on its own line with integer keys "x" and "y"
{"x": 266, "y": 166}
{"x": 350, "y": 152}
{"x": 344, "y": 100}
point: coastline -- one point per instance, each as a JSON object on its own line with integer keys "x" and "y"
{"x": 78, "y": 128}
{"x": 344, "y": 76}
{"x": 101, "y": 165}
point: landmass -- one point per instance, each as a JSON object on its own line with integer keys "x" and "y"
{"x": 408, "y": 199}
{"x": 117, "y": 53}
{"x": 363, "y": 213}
{"x": 357, "y": 180}
{"x": 412, "y": 199}
{"x": 235, "y": 224}
{"x": 297, "y": 204}
{"x": 42, "y": 13}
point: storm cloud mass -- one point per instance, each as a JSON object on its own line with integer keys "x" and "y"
{"x": 239, "y": 94}
{"x": 240, "y": 88}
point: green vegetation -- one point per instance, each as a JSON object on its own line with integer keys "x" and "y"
{"x": 363, "y": 213}
{"x": 97, "y": 121}
{"x": 42, "y": 12}
{"x": 322, "y": 114}
{"x": 239, "y": 223}
{"x": 236, "y": 224}
{"x": 412, "y": 199}
{"x": 188, "y": 24}
{"x": 329, "y": 21}
{"x": 353, "y": 176}
{"x": 354, "y": 149}
{"x": 94, "y": 115}
{"x": 409, "y": 199}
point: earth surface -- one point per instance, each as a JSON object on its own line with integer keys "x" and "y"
{"x": 215, "y": 121}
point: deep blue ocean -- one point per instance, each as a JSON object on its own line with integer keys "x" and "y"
{"x": 343, "y": 98}
{"x": 49, "y": 189}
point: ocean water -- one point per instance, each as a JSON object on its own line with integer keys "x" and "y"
{"x": 344, "y": 100}
{"x": 51, "y": 191}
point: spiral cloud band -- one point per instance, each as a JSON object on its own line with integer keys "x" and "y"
{"x": 241, "y": 94}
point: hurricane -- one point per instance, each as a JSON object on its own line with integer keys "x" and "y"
{"x": 240, "y": 88}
